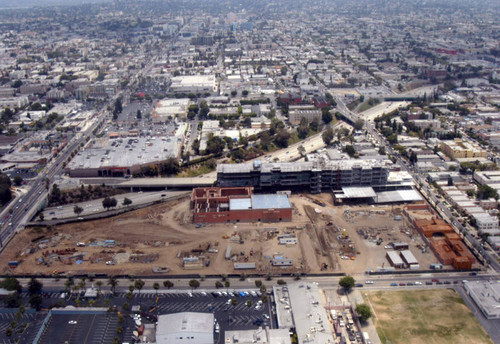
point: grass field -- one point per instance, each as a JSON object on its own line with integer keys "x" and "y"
{"x": 428, "y": 316}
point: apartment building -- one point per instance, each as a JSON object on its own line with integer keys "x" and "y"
{"x": 459, "y": 149}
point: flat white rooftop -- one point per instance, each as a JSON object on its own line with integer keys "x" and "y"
{"x": 311, "y": 320}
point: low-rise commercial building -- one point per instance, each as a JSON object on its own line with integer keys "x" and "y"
{"x": 486, "y": 295}
{"x": 258, "y": 336}
{"x": 311, "y": 320}
{"x": 486, "y": 223}
{"x": 186, "y": 327}
{"x": 123, "y": 156}
{"x": 194, "y": 84}
{"x": 170, "y": 108}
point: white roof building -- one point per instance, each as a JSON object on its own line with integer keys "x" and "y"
{"x": 258, "y": 336}
{"x": 311, "y": 320}
{"x": 170, "y": 107}
{"x": 194, "y": 84}
{"x": 186, "y": 327}
{"x": 487, "y": 223}
{"x": 486, "y": 295}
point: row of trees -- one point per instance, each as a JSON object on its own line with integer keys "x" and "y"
{"x": 35, "y": 289}
{"x": 14, "y": 300}
{"x": 5, "y": 184}
{"x": 169, "y": 167}
{"x": 82, "y": 194}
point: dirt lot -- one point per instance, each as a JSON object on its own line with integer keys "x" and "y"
{"x": 159, "y": 236}
{"x": 415, "y": 317}
{"x": 343, "y": 230}
{"x": 162, "y": 236}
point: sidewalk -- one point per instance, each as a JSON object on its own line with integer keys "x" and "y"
{"x": 368, "y": 326}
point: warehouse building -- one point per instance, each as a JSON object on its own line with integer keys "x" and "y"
{"x": 186, "y": 327}
{"x": 316, "y": 176}
{"x": 216, "y": 205}
{"x": 394, "y": 259}
{"x": 409, "y": 259}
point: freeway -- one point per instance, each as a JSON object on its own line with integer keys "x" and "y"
{"x": 96, "y": 207}
{"x": 27, "y": 205}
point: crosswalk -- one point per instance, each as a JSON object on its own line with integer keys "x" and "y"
{"x": 52, "y": 295}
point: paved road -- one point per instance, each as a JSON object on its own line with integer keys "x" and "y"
{"x": 25, "y": 206}
{"x": 380, "y": 109}
{"x": 96, "y": 207}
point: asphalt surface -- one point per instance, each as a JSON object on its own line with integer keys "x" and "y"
{"x": 95, "y": 206}
{"x": 80, "y": 328}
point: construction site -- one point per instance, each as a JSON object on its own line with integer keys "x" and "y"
{"x": 164, "y": 239}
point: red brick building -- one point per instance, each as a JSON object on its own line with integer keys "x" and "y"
{"x": 239, "y": 204}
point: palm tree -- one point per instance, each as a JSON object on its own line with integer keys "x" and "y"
{"x": 76, "y": 289}
{"x": 138, "y": 284}
{"x": 82, "y": 283}
{"x": 69, "y": 283}
{"x": 113, "y": 283}
{"x": 99, "y": 285}
{"x": 156, "y": 286}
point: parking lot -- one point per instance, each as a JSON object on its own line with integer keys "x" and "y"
{"x": 229, "y": 316}
{"x": 80, "y": 328}
{"x": 247, "y": 311}
{"x": 26, "y": 326}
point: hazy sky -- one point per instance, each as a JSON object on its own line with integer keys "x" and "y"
{"x": 31, "y": 3}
